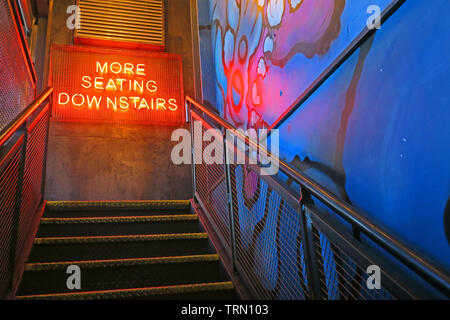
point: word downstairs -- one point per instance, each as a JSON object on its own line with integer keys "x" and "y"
{"x": 123, "y": 103}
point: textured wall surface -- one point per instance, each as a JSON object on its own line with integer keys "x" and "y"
{"x": 113, "y": 162}
{"x": 179, "y": 39}
{"x": 95, "y": 161}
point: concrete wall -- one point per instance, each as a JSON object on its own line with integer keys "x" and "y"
{"x": 113, "y": 161}
{"x": 178, "y": 38}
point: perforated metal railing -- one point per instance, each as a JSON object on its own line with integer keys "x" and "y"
{"x": 269, "y": 241}
{"x": 213, "y": 189}
{"x": 23, "y": 149}
{"x": 16, "y": 77}
{"x": 287, "y": 237}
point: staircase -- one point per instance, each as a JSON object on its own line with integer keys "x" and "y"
{"x": 125, "y": 250}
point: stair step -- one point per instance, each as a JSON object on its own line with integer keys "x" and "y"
{"x": 79, "y": 209}
{"x": 46, "y": 278}
{"x": 102, "y": 226}
{"x": 110, "y": 213}
{"x": 125, "y": 250}
{"x": 201, "y": 291}
{"x": 118, "y": 247}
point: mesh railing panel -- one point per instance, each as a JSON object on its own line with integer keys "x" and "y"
{"x": 341, "y": 278}
{"x": 9, "y": 180}
{"x": 22, "y": 170}
{"x": 211, "y": 187}
{"x": 270, "y": 249}
{"x": 33, "y": 174}
{"x": 289, "y": 244}
{"x": 16, "y": 85}
{"x": 269, "y": 241}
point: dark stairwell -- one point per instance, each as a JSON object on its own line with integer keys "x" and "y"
{"x": 125, "y": 250}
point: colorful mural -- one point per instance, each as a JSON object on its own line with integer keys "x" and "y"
{"x": 376, "y": 133}
{"x": 267, "y": 52}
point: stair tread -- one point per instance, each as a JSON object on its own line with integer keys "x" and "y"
{"x": 124, "y": 219}
{"x": 118, "y": 205}
{"x": 138, "y": 292}
{"x": 120, "y": 238}
{"x": 30, "y": 267}
{"x": 111, "y": 213}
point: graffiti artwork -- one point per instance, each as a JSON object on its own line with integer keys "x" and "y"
{"x": 267, "y": 52}
{"x": 373, "y": 133}
{"x": 270, "y": 245}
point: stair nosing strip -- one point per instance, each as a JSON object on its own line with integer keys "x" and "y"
{"x": 46, "y": 266}
{"x": 122, "y": 219}
{"x": 118, "y": 205}
{"x": 149, "y": 291}
{"x": 121, "y": 238}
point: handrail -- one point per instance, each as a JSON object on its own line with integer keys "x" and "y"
{"x": 14, "y": 7}
{"x": 438, "y": 279}
{"x": 25, "y": 115}
{"x": 345, "y": 54}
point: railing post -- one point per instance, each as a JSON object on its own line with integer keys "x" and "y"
{"x": 310, "y": 253}
{"x": 191, "y": 129}
{"x": 229, "y": 200}
{"x": 44, "y": 169}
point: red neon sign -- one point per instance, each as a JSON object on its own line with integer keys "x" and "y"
{"x": 100, "y": 84}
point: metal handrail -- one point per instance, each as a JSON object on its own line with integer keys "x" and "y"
{"x": 429, "y": 272}
{"x": 345, "y": 54}
{"x": 25, "y": 115}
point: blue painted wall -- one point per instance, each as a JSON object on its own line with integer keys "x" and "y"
{"x": 377, "y": 132}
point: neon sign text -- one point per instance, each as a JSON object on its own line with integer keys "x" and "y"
{"x": 100, "y": 84}
{"x": 122, "y": 103}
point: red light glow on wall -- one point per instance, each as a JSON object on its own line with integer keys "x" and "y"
{"x": 100, "y": 84}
